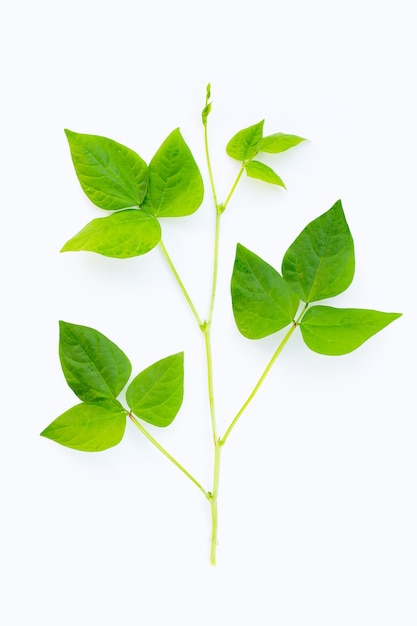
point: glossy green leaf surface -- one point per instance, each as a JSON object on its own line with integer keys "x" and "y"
{"x": 110, "y": 174}
{"x": 279, "y": 142}
{"x": 256, "y": 169}
{"x": 333, "y": 331}
{"x": 121, "y": 235}
{"x": 175, "y": 185}
{"x": 320, "y": 263}
{"x": 243, "y": 145}
{"x": 89, "y": 427}
{"x": 262, "y": 301}
{"x": 94, "y": 367}
{"x": 156, "y": 394}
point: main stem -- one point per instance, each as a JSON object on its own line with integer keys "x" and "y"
{"x": 205, "y": 327}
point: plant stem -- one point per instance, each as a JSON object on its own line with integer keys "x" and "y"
{"x": 206, "y": 328}
{"x": 213, "y": 502}
{"x": 238, "y": 177}
{"x": 169, "y": 456}
{"x": 274, "y": 357}
{"x": 210, "y": 384}
{"x": 180, "y": 283}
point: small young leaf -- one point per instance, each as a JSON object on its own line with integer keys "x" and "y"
{"x": 244, "y": 145}
{"x": 111, "y": 175}
{"x": 256, "y": 169}
{"x": 94, "y": 367}
{"x": 175, "y": 185}
{"x": 121, "y": 235}
{"x": 156, "y": 394}
{"x": 279, "y": 142}
{"x": 332, "y": 331}
{"x": 89, "y": 427}
{"x": 207, "y": 109}
{"x": 262, "y": 301}
{"x": 320, "y": 263}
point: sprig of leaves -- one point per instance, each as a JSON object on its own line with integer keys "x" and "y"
{"x": 246, "y": 144}
{"x": 115, "y": 178}
{"x": 318, "y": 265}
{"x": 97, "y": 371}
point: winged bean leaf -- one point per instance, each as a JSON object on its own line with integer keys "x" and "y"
{"x": 262, "y": 301}
{"x": 93, "y": 366}
{"x": 243, "y": 145}
{"x": 334, "y": 331}
{"x": 110, "y": 174}
{"x": 121, "y": 235}
{"x": 175, "y": 185}
{"x": 155, "y": 395}
{"x": 256, "y": 169}
{"x": 279, "y": 142}
{"x": 320, "y": 263}
{"x": 90, "y": 427}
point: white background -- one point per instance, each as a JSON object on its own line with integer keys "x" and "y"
{"x": 318, "y": 516}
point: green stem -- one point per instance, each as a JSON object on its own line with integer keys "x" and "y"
{"x": 239, "y": 176}
{"x": 215, "y": 264}
{"x": 206, "y": 328}
{"x": 266, "y": 371}
{"x": 210, "y": 171}
{"x": 213, "y": 502}
{"x": 169, "y": 456}
{"x": 180, "y": 283}
{"x": 210, "y": 384}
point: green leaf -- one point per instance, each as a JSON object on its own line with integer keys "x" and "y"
{"x": 156, "y": 394}
{"x": 111, "y": 175}
{"x": 94, "y": 367}
{"x": 320, "y": 263}
{"x": 256, "y": 169}
{"x": 175, "y": 185}
{"x": 262, "y": 301}
{"x": 332, "y": 331}
{"x": 279, "y": 142}
{"x": 121, "y": 235}
{"x": 89, "y": 427}
{"x": 244, "y": 145}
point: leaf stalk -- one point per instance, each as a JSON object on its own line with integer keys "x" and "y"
{"x": 169, "y": 456}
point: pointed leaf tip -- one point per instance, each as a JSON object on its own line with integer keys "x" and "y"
{"x": 175, "y": 186}
{"x": 333, "y": 331}
{"x": 155, "y": 395}
{"x": 93, "y": 366}
{"x": 111, "y": 175}
{"x": 320, "y": 263}
{"x": 89, "y": 427}
{"x": 262, "y": 301}
{"x": 243, "y": 145}
{"x": 121, "y": 235}
{"x": 279, "y": 142}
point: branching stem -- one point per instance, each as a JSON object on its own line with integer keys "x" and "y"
{"x": 266, "y": 371}
{"x": 180, "y": 283}
{"x": 168, "y": 455}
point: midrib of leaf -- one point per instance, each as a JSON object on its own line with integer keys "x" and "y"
{"x": 112, "y": 177}
{"x": 94, "y": 365}
{"x": 168, "y": 184}
{"x": 117, "y": 243}
{"x": 151, "y": 389}
{"x": 262, "y": 287}
{"x": 319, "y": 265}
